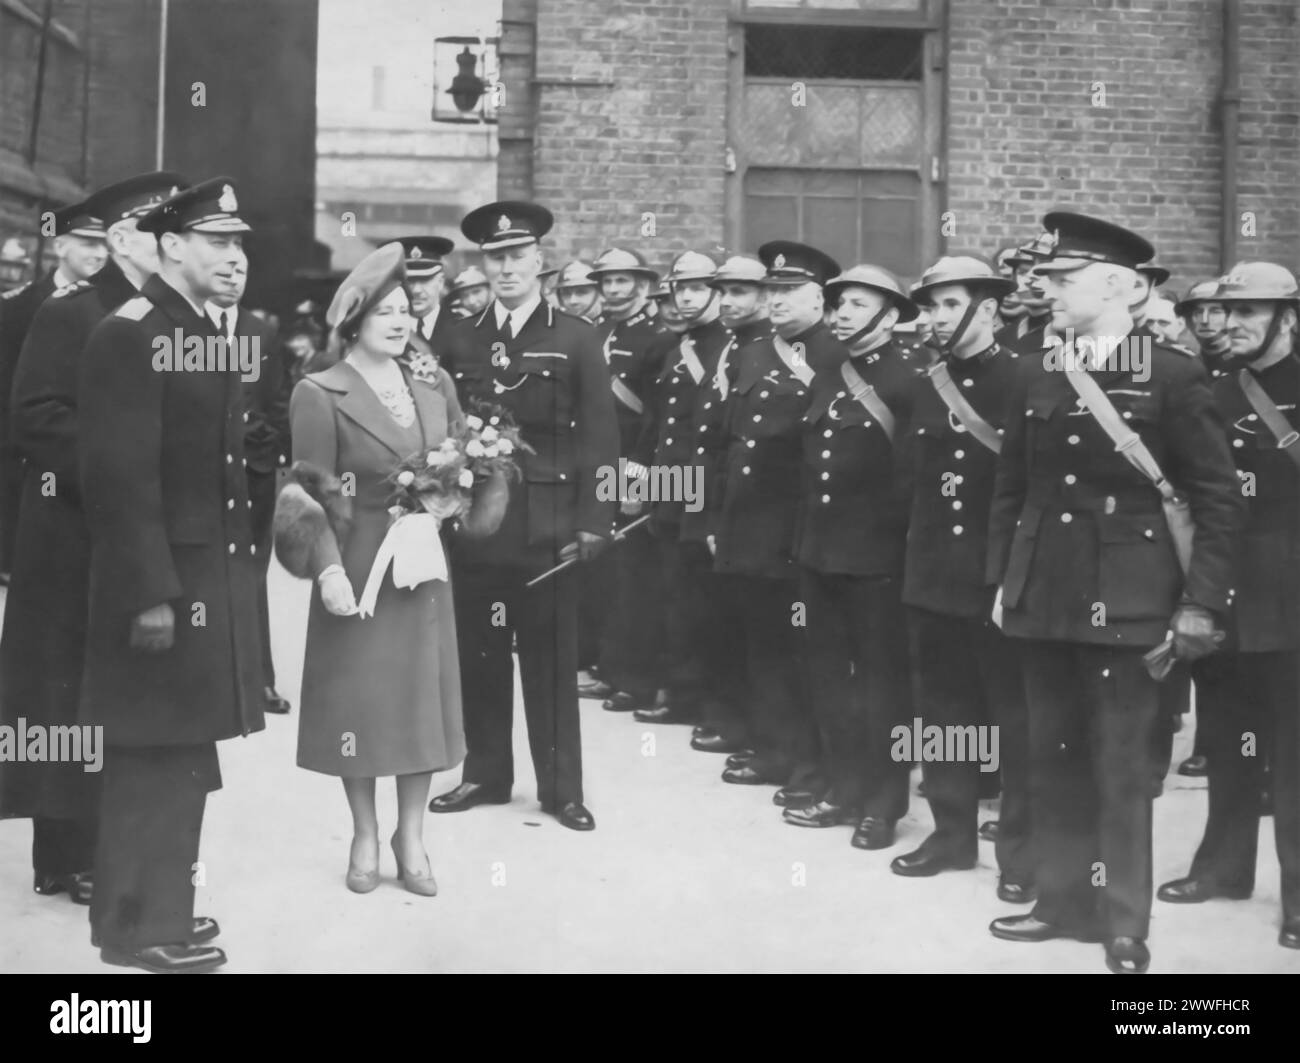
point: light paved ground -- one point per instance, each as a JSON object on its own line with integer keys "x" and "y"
{"x": 683, "y": 873}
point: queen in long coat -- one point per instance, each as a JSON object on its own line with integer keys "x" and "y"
{"x": 380, "y": 694}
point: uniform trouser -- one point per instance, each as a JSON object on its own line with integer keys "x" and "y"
{"x": 62, "y": 846}
{"x": 1175, "y": 694}
{"x": 261, "y": 492}
{"x": 1092, "y": 709}
{"x": 595, "y": 579}
{"x": 696, "y": 639}
{"x": 769, "y": 676}
{"x": 858, "y": 679}
{"x": 11, "y": 493}
{"x": 492, "y": 605}
{"x": 1252, "y": 694}
{"x": 967, "y": 674}
{"x": 631, "y": 656}
{"x": 151, "y": 816}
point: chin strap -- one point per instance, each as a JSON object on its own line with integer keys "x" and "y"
{"x": 946, "y": 349}
{"x": 691, "y": 319}
{"x": 867, "y": 329}
{"x": 1270, "y": 334}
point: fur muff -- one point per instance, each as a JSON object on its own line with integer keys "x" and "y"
{"x": 312, "y": 516}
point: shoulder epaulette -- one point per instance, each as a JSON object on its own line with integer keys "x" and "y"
{"x": 134, "y": 309}
{"x": 70, "y": 289}
{"x": 16, "y": 291}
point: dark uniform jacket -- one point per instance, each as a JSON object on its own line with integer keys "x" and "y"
{"x": 1023, "y": 341}
{"x": 266, "y": 399}
{"x": 755, "y": 496}
{"x": 947, "y": 535}
{"x": 683, "y": 425}
{"x": 636, "y": 359}
{"x": 855, "y": 497}
{"x": 553, "y": 379}
{"x": 17, "y": 311}
{"x": 166, "y": 500}
{"x": 1074, "y": 526}
{"x": 43, "y": 646}
{"x": 1266, "y": 605}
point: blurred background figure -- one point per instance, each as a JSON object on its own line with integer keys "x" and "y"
{"x": 576, "y": 292}
{"x": 1163, "y": 322}
{"x": 469, "y": 293}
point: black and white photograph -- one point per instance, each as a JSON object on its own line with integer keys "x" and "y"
{"x": 652, "y": 487}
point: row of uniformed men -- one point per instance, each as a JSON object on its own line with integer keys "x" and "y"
{"x": 865, "y": 499}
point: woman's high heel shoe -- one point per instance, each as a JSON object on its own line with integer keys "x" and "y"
{"x": 425, "y": 885}
{"x": 362, "y": 881}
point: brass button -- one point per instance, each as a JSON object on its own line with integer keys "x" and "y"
{"x": 957, "y": 529}
{"x": 232, "y": 548}
{"x": 1073, "y": 440}
{"x": 1066, "y": 518}
{"x": 956, "y": 505}
{"x": 826, "y": 453}
{"x": 230, "y": 503}
{"x": 828, "y": 433}
{"x": 749, "y": 443}
{"x": 959, "y": 454}
{"x": 1070, "y": 478}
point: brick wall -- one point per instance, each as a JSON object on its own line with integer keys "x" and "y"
{"x": 650, "y": 138}
{"x": 1024, "y": 136}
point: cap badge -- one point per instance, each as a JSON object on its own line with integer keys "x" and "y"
{"x": 228, "y": 203}
{"x": 415, "y": 253}
{"x": 503, "y": 223}
{"x": 778, "y": 262}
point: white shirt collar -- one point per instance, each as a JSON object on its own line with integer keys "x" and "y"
{"x": 519, "y": 315}
{"x": 214, "y": 313}
{"x": 428, "y": 322}
{"x": 61, "y": 279}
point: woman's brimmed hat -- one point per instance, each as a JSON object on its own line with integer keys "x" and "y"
{"x": 368, "y": 284}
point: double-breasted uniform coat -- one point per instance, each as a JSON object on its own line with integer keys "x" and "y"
{"x": 552, "y": 378}
{"x": 166, "y": 500}
{"x": 1079, "y": 544}
{"x": 43, "y": 645}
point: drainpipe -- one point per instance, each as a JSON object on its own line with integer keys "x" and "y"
{"x": 1230, "y": 107}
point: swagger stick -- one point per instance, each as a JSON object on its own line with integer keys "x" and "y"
{"x": 620, "y": 534}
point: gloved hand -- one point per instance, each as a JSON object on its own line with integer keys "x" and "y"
{"x": 1194, "y": 633}
{"x": 588, "y": 545}
{"x": 154, "y": 630}
{"x": 336, "y": 592}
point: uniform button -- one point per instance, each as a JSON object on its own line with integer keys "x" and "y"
{"x": 959, "y": 479}
{"x": 745, "y": 470}
{"x": 672, "y": 398}
{"x": 250, "y": 503}
{"x": 230, "y": 503}
{"x": 1149, "y": 533}
{"x": 1238, "y": 443}
{"x": 245, "y": 418}
{"x": 546, "y": 372}
{"x": 825, "y": 499}
{"x": 826, "y": 476}
{"x": 866, "y": 424}
{"x": 1251, "y": 417}
{"x": 1066, "y": 518}
{"x": 708, "y": 405}
{"x": 957, "y": 529}
{"x": 230, "y": 459}
{"x": 244, "y": 462}
{"x": 1070, "y": 478}
{"x": 1127, "y": 415}
{"x": 956, "y": 505}
{"x": 841, "y": 394}
{"x": 564, "y": 476}
{"x": 758, "y": 417}
{"x": 749, "y": 443}
{"x": 967, "y": 383}
{"x": 672, "y": 420}
{"x": 232, "y": 548}
{"x": 700, "y": 451}
{"x": 668, "y": 442}
{"x": 762, "y": 394}
{"x": 826, "y": 453}
{"x": 1073, "y": 440}
{"x": 828, "y": 433}
{"x": 920, "y": 431}
{"x": 958, "y": 454}
{"x": 252, "y": 548}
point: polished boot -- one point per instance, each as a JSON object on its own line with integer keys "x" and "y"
{"x": 746, "y": 775}
{"x": 1197, "y": 890}
{"x": 274, "y": 702}
{"x": 597, "y": 688}
{"x": 1289, "y": 936}
{"x": 924, "y": 862}
{"x": 822, "y": 814}
{"x": 873, "y": 833}
{"x": 1194, "y": 767}
{"x": 202, "y": 931}
{"x": 467, "y": 795}
{"x": 573, "y": 815}
{"x": 741, "y": 759}
{"x": 789, "y": 797}
{"x": 1127, "y": 956}
{"x": 167, "y": 959}
{"x": 702, "y": 729}
{"x": 988, "y": 831}
{"x": 1030, "y": 928}
{"x": 78, "y": 885}
{"x": 1016, "y": 893}
{"x": 715, "y": 744}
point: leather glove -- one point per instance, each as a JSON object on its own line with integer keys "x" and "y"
{"x": 154, "y": 630}
{"x": 336, "y": 592}
{"x": 1194, "y": 633}
{"x": 588, "y": 545}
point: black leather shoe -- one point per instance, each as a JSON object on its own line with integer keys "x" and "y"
{"x": 988, "y": 831}
{"x": 202, "y": 931}
{"x": 597, "y": 688}
{"x": 1030, "y": 928}
{"x": 715, "y": 744}
{"x": 1289, "y": 936}
{"x": 1194, "y": 767}
{"x": 739, "y": 760}
{"x": 575, "y": 816}
{"x": 1127, "y": 956}
{"x": 822, "y": 814}
{"x": 467, "y": 795}
{"x": 273, "y": 702}
{"x": 923, "y": 862}
{"x": 664, "y": 714}
{"x": 702, "y": 729}
{"x": 622, "y": 701}
{"x": 167, "y": 959}
{"x": 789, "y": 797}
{"x": 1197, "y": 890}
{"x": 873, "y": 833}
{"x": 1016, "y": 893}
{"x": 744, "y": 776}
{"x": 78, "y": 885}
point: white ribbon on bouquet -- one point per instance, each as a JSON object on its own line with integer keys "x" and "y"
{"x": 414, "y": 548}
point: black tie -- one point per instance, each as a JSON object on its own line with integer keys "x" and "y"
{"x": 223, "y": 322}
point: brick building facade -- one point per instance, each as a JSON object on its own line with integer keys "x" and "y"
{"x": 896, "y": 130}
